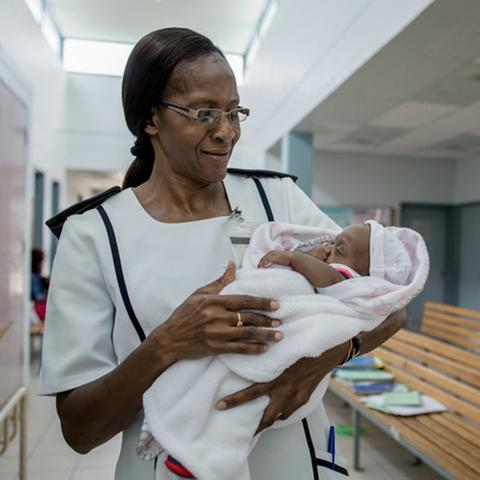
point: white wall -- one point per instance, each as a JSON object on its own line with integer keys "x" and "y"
{"x": 26, "y": 49}
{"x": 367, "y": 180}
{"x": 93, "y": 133}
{"x": 467, "y": 181}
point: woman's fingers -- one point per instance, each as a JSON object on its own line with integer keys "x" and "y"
{"x": 246, "y": 302}
{"x": 254, "y": 334}
{"x": 271, "y": 414}
{"x": 243, "y": 396}
{"x": 250, "y": 319}
{"x": 220, "y": 283}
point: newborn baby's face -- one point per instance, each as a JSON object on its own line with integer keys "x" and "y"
{"x": 351, "y": 248}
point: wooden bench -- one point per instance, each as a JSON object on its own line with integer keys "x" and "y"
{"x": 450, "y": 441}
{"x": 456, "y": 325}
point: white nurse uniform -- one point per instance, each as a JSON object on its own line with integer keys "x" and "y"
{"x": 89, "y": 332}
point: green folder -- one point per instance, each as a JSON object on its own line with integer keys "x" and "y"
{"x": 410, "y": 399}
{"x": 363, "y": 375}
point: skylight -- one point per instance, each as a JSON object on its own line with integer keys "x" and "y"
{"x": 109, "y": 58}
{"x": 100, "y": 58}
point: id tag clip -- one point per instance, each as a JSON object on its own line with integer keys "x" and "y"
{"x": 239, "y": 233}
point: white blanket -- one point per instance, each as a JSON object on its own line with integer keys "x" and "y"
{"x": 180, "y": 405}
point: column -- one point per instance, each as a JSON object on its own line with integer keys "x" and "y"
{"x": 298, "y": 158}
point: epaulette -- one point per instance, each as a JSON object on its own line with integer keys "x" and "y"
{"x": 260, "y": 173}
{"x": 55, "y": 224}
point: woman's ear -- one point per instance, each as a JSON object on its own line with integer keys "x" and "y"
{"x": 151, "y": 125}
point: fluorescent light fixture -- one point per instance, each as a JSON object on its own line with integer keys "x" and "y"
{"x": 36, "y": 7}
{"x": 236, "y": 61}
{"x": 50, "y": 31}
{"x": 99, "y": 58}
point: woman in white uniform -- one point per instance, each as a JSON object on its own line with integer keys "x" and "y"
{"x": 135, "y": 283}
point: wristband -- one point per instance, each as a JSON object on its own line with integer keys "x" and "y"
{"x": 356, "y": 345}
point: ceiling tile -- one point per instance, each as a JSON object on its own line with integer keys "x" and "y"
{"x": 459, "y": 143}
{"x": 369, "y": 135}
{"x": 412, "y": 115}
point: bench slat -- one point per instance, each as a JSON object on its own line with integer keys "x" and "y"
{"x": 443, "y": 307}
{"x": 434, "y": 315}
{"x": 468, "y": 374}
{"x": 452, "y": 352}
{"x": 466, "y": 430}
{"x": 426, "y": 374}
{"x": 465, "y": 332}
{"x": 450, "y": 450}
{"x": 450, "y": 338}
{"x": 464, "y": 450}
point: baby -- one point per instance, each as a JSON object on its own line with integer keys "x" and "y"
{"x": 331, "y": 262}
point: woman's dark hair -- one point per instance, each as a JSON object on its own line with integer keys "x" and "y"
{"x": 147, "y": 72}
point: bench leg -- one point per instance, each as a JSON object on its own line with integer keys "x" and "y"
{"x": 356, "y": 438}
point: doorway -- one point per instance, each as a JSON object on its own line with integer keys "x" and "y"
{"x": 433, "y": 222}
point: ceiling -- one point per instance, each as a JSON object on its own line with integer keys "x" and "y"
{"x": 420, "y": 95}
{"x": 229, "y": 23}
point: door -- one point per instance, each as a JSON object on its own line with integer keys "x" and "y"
{"x": 469, "y": 257}
{"x": 431, "y": 221}
{"x": 12, "y": 240}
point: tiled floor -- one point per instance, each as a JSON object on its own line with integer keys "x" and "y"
{"x": 49, "y": 458}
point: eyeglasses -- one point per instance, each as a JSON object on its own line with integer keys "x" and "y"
{"x": 208, "y": 116}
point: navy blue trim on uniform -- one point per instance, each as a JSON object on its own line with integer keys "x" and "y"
{"x": 260, "y": 173}
{"x": 318, "y": 462}
{"x": 311, "y": 449}
{"x": 263, "y": 196}
{"x": 119, "y": 272}
{"x": 335, "y": 468}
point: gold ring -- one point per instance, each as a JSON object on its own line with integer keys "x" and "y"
{"x": 279, "y": 414}
{"x": 239, "y": 321}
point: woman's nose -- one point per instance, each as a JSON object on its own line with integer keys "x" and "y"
{"x": 225, "y": 131}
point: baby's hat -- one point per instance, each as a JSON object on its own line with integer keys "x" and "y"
{"x": 393, "y": 252}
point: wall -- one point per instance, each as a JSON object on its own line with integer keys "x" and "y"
{"x": 26, "y": 49}
{"x": 467, "y": 181}
{"x": 356, "y": 179}
{"x": 93, "y": 133}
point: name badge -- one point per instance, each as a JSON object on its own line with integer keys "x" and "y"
{"x": 239, "y": 233}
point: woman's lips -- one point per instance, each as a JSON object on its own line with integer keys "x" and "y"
{"x": 217, "y": 155}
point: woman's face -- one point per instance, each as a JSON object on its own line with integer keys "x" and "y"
{"x": 193, "y": 150}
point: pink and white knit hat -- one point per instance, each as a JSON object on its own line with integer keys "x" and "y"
{"x": 394, "y": 252}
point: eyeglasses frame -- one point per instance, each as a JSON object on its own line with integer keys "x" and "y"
{"x": 193, "y": 113}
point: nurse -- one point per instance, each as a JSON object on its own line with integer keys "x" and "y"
{"x": 181, "y": 102}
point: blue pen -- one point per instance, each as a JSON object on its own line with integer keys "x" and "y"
{"x": 331, "y": 444}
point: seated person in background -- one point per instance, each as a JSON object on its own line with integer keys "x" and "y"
{"x": 39, "y": 284}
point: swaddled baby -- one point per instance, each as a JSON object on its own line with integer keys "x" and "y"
{"x": 330, "y": 262}
{"x": 386, "y": 267}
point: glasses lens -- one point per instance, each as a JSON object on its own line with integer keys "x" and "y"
{"x": 207, "y": 115}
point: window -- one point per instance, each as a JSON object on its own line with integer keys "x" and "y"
{"x": 101, "y": 58}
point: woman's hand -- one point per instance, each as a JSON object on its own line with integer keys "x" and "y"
{"x": 294, "y": 386}
{"x": 206, "y": 324}
{"x": 291, "y": 390}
